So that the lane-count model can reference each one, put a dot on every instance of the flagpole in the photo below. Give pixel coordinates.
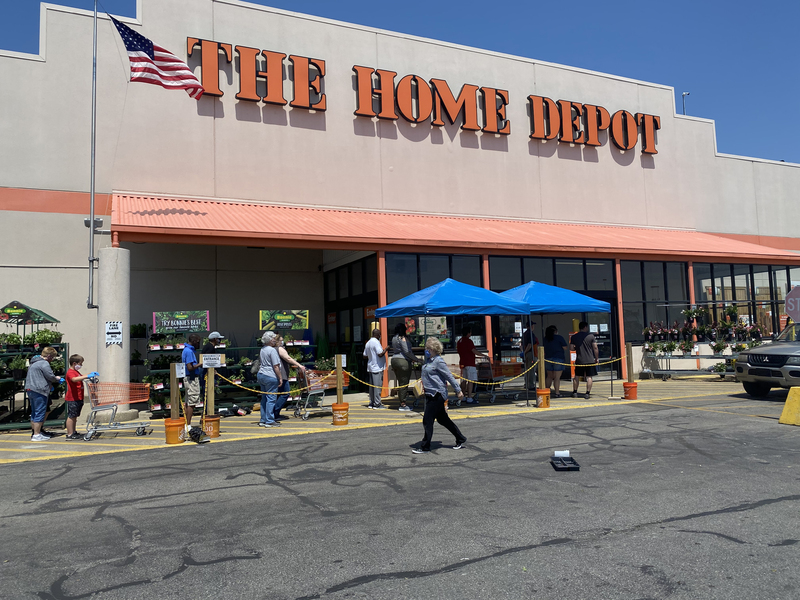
(92, 259)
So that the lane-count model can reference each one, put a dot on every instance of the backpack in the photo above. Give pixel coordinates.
(256, 366)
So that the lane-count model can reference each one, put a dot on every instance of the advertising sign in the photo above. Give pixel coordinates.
(282, 320)
(180, 321)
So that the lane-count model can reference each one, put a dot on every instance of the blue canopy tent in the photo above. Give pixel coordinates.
(552, 300)
(450, 297)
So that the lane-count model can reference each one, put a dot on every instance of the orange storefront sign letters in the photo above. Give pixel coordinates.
(381, 94)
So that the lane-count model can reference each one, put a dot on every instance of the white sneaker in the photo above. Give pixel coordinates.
(39, 438)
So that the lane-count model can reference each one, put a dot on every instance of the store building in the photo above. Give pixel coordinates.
(335, 168)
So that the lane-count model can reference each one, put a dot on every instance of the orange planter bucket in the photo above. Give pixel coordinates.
(630, 390)
(173, 429)
(340, 412)
(543, 398)
(211, 426)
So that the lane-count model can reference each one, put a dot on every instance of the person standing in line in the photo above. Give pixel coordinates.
(376, 365)
(529, 344)
(287, 362)
(466, 358)
(269, 378)
(37, 384)
(74, 395)
(435, 377)
(402, 362)
(191, 383)
(588, 355)
(555, 351)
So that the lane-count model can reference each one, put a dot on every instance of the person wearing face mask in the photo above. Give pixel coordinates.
(74, 395)
(435, 377)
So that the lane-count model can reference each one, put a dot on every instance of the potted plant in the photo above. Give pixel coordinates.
(753, 343)
(19, 367)
(720, 368)
(700, 331)
(647, 332)
(13, 341)
(689, 314)
(755, 331)
(723, 330)
(48, 337)
(718, 347)
(738, 347)
(686, 347)
(733, 312)
(136, 358)
(701, 314)
(670, 347)
(29, 339)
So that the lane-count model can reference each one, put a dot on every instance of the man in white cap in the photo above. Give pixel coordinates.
(213, 341)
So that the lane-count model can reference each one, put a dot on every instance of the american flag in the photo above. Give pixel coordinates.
(154, 64)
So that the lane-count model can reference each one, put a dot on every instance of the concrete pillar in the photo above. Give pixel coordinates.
(114, 304)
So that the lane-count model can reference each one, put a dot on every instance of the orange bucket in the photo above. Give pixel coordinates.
(211, 426)
(543, 398)
(630, 390)
(340, 412)
(173, 429)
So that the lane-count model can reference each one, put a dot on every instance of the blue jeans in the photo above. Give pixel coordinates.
(269, 387)
(283, 392)
(38, 406)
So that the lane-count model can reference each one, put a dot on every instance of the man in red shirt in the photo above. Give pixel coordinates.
(466, 358)
(74, 395)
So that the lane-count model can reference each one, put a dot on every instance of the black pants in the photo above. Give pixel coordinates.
(434, 410)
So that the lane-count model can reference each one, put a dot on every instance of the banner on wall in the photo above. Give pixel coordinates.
(433, 326)
(282, 320)
(181, 321)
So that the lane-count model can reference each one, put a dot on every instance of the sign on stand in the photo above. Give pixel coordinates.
(113, 333)
(180, 370)
(212, 361)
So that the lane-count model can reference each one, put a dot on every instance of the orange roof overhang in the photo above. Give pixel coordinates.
(141, 218)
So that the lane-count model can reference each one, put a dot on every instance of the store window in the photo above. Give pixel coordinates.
(371, 274)
(664, 289)
(344, 282)
(401, 276)
(357, 278)
(467, 269)
(433, 268)
(539, 270)
(702, 283)
(569, 274)
(330, 285)
(599, 275)
(344, 326)
(505, 273)
(779, 283)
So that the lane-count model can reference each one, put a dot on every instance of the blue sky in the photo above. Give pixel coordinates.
(737, 59)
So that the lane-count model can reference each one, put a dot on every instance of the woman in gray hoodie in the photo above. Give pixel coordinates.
(37, 384)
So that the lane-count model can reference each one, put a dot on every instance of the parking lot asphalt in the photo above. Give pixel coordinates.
(690, 493)
(704, 393)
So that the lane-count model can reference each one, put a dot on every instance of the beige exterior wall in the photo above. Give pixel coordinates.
(162, 142)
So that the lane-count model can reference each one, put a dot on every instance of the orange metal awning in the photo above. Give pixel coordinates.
(191, 221)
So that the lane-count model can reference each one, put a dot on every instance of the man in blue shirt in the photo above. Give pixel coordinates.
(191, 382)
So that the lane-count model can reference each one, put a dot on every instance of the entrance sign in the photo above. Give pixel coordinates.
(212, 360)
(180, 321)
(793, 304)
(282, 320)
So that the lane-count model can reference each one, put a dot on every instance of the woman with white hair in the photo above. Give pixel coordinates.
(269, 378)
(435, 377)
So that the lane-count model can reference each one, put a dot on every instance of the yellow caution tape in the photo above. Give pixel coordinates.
(455, 376)
(258, 391)
(597, 364)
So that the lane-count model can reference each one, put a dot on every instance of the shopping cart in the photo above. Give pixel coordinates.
(312, 400)
(107, 396)
(503, 378)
